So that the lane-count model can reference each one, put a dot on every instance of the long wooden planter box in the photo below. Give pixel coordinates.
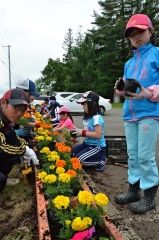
(43, 224)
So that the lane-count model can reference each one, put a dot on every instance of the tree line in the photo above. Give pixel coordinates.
(95, 59)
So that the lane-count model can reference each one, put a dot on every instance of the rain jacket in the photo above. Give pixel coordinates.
(144, 67)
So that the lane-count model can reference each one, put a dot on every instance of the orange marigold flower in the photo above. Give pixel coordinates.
(75, 160)
(26, 115)
(60, 163)
(72, 173)
(76, 165)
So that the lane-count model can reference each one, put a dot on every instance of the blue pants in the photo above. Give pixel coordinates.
(141, 137)
(90, 155)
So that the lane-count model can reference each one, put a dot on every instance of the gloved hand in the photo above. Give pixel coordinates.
(78, 132)
(23, 132)
(31, 155)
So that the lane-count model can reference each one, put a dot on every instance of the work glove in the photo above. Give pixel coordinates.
(77, 132)
(23, 132)
(30, 155)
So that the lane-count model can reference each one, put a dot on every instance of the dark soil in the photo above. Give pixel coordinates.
(18, 219)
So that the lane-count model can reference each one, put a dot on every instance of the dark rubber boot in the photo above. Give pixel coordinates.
(147, 203)
(132, 195)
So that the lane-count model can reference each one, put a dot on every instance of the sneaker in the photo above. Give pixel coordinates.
(12, 181)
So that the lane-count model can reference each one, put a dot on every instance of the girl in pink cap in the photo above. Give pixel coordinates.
(66, 121)
(141, 115)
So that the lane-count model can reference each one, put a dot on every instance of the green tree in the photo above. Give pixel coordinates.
(53, 76)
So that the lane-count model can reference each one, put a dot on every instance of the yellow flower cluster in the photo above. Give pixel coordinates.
(64, 177)
(61, 202)
(27, 171)
(79, 224)
(53, 156)
(101, 199)
(50, 178)
(45, 150)
(42, 176)
(85, 197)
(60, 170)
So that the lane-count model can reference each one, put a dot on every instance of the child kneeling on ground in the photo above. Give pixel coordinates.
(92, 152)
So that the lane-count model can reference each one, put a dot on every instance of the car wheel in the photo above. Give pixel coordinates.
(102, 109)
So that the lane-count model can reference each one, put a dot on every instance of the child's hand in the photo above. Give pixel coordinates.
(119, 87)
(144, 93)
(119, 84)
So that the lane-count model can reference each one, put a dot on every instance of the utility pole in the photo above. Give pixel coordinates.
(9, 65)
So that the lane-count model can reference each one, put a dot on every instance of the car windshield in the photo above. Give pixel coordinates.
(77, 96)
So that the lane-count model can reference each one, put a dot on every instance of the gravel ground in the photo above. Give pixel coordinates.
(114, 180)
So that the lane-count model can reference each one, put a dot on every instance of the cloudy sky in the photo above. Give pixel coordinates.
(35, 30)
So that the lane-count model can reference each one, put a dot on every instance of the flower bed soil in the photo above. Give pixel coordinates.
(18, 218)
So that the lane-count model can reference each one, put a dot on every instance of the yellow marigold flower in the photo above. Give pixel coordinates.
(64, 177)
(53, 156)
(101, 199)
(42, 176)
(61, 202)
(48, 138)
(26, 171)
(45, 150)
(67, 222)
(80, 225)
(50, 178)
(60, 170)
(52, 167)
(85, 197)
(87, 221)
(39, 138)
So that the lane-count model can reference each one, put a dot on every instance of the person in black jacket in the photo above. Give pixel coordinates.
(12, 106)
(53, 108)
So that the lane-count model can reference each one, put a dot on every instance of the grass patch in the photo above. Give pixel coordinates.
(117, 105)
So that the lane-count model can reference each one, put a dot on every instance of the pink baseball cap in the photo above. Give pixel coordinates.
(63, 109)
(140, 21)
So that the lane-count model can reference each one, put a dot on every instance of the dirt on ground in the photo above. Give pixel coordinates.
(18, 218)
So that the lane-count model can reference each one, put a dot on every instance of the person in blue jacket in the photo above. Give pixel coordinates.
(141, 115)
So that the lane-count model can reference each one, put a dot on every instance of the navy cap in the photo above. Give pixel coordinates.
(89, 97)
(29, 86)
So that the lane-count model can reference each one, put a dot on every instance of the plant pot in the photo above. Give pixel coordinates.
(43, 224)
(47, 222)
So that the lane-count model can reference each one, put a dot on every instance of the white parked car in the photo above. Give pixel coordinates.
(62, 94)
(71, 103)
